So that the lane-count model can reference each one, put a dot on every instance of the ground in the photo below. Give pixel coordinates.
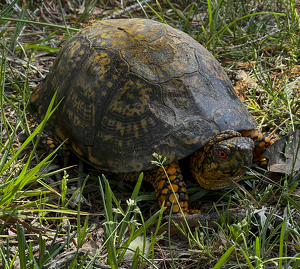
(258, 45)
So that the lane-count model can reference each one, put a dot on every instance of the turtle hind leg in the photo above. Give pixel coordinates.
(49, 143)
(167, 193)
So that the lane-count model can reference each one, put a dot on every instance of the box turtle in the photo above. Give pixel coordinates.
(132, 87)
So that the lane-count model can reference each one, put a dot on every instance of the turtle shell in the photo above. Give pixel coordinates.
(132, 87)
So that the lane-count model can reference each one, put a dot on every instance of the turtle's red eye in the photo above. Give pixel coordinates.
(222, 154)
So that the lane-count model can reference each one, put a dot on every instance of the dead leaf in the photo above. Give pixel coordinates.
(245, 78)
(284, 155)
(222, 236)
(246, 64)
(242, 75)
(296, 69)
(91, 245)
(241, 88)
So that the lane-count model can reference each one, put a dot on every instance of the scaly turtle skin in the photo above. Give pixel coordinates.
(129, 88)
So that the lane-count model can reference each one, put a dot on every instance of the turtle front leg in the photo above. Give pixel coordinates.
(261, 143)
(166, 192)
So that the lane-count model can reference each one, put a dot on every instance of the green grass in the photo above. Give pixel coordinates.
(260, 38)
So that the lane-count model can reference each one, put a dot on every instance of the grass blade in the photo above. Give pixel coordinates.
(224, 257)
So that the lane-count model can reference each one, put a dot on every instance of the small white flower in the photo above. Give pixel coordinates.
(130, 202)
(108, 223)
(117, 210)
(135, 223)
(137, 210)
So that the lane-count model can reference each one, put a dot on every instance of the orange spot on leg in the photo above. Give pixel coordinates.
(175, 187)
(171, 170)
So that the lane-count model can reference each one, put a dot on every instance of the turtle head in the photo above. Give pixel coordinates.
(222, 161)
